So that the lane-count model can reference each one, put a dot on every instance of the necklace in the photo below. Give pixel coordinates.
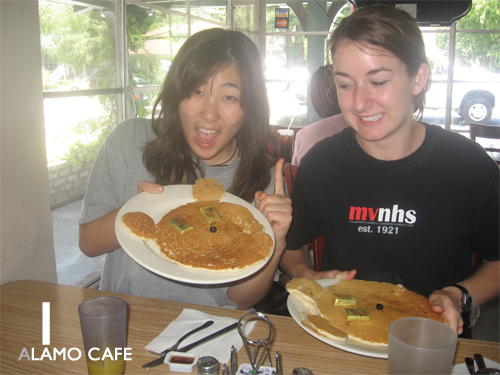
(227, 161)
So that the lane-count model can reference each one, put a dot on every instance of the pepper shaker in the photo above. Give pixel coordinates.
(208, 366)
(302, 371)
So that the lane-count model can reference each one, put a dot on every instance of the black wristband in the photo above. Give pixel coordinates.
(466, 299)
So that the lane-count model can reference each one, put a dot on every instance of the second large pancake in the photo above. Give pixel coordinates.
(384, 302)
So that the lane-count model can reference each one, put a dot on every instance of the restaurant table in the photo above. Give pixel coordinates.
(21, 327)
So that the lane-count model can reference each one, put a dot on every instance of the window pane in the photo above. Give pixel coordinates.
(142, 103)
(153, 40)
(197, 25)
(211, 10)
(287, 78)
(291, 58)
(484, 15)
(76, 126)
(77, 47)
(244, 16)
(178, 6)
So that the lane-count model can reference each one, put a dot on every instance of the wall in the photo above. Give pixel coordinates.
(26, 241)
(67, 183)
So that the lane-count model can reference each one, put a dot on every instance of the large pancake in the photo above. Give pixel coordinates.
(394, 302)
(238, 242)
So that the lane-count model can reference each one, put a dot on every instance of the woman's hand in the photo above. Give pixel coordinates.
(448, 302)
(332, 274)
(149, 187)
(277, 208)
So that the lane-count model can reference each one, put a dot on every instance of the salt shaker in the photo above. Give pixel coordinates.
(208, 366)
(302, 371)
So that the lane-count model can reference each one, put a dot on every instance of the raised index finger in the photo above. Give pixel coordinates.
(279, 187)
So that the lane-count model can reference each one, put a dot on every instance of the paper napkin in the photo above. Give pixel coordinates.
(219, 347)
(461, 368)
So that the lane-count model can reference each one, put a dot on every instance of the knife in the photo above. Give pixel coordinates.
(469, 362)
(480, 361)
(159, 361)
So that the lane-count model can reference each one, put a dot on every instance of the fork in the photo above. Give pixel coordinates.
(174, 347)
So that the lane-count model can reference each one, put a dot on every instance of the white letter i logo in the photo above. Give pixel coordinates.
(45, 323)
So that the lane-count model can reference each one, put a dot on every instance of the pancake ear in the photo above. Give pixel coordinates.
(208, 189)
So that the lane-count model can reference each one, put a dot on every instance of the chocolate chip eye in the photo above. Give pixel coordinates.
(379, 306)
(213, 229)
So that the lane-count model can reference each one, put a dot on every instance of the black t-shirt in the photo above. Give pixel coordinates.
(413, 221)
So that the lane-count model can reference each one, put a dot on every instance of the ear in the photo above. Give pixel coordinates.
(421, 78)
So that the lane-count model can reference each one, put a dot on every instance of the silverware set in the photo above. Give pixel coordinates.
(186, 348)
(230, 368)
(481, 365)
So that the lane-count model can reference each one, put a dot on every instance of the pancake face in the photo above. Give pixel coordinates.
(234, 244)
(207, 234)
(382, 301)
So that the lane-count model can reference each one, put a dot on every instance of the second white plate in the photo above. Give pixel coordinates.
(296, 309)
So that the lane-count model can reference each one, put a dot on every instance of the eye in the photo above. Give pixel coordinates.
(343, 86)
(196, 92)
(230, 98)
(379, 83)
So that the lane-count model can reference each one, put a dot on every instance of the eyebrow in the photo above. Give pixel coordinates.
(371, 72)
(230, 84)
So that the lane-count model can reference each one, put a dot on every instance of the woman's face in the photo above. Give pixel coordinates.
(376, 96)
(212, 116)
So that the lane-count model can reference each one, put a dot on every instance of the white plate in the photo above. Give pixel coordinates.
(296, 309)
(147, 254)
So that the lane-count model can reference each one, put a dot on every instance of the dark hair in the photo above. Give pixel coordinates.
(323, 94)
(169, 157)
(391, 29)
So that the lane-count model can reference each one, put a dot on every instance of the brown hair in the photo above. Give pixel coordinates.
(323, 95)
(391, 29)
(168, 157)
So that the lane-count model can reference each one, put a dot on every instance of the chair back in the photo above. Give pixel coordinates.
(485, 131)
(289, 171)
(315, 247)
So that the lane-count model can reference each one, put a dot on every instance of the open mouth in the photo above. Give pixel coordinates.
(372, 118)
(206, 137)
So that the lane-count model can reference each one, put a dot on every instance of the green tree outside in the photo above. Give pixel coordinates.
(473, 48)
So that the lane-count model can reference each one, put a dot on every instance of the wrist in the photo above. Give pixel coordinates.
(456, 295)
(468, 306)
(306, 272)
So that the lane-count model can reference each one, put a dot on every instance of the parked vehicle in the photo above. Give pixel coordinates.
(474, 95)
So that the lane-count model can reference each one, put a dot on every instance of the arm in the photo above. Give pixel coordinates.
(98, 237)
(483, 285)
(296, 264)
(277, 209)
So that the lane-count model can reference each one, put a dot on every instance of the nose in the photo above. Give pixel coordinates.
(362, 99)
(210, 110)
